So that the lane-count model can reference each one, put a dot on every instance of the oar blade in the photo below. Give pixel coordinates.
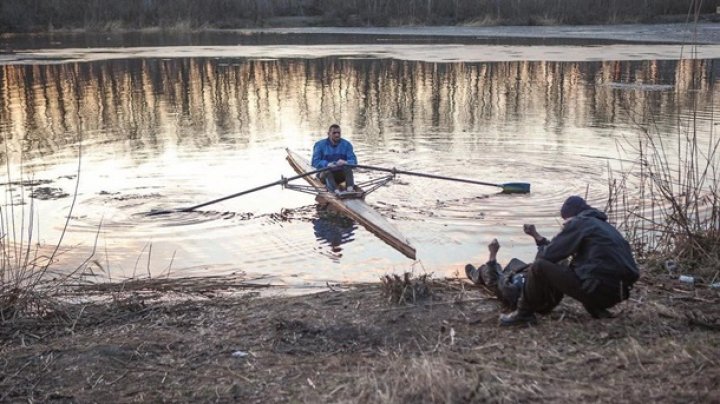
(516, 188)
(508, 188)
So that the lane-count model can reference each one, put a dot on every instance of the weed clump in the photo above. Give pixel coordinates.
(406, 289)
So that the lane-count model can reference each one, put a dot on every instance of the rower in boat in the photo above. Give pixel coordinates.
(336, 153)
(350, 204)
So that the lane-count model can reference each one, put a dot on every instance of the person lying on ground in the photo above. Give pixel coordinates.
(337, 153)
(506, 283)
(600, 275)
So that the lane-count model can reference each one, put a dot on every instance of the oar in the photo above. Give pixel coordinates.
(247, 191)
(508, 187)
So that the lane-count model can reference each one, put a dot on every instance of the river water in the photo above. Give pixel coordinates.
(106, 131)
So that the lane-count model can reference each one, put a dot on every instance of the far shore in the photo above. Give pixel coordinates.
(676, 32)
(706, 33)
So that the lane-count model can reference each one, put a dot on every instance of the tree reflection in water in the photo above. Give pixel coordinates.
(183, 130)
(145, 106)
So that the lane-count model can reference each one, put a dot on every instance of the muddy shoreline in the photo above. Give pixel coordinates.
(351, 344)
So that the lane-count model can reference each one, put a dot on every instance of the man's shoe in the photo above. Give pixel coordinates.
(517, 317)
(473, 274)
(350, 188)
(600, 314)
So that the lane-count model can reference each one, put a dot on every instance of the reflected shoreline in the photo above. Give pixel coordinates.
(432, 53)
(153, 104)
(583, 35)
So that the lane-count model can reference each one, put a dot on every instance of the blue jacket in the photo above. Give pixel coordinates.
(325, 152)
(599, 251)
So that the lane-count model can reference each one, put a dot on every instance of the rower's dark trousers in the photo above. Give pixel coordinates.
(334, 177)
(547, 280)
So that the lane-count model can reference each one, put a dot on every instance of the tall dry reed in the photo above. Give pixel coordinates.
(25, 288)
(668, 201)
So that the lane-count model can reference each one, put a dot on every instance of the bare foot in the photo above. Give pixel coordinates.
(493, 247)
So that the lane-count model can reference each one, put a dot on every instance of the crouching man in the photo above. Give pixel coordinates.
(601, 272)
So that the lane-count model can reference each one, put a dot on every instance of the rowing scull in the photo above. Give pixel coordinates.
(354, 208)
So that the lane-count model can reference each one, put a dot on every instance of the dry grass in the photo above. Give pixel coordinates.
(407, 288)
(484, 21)
(422, 378)
(26, 292)
(354, 346)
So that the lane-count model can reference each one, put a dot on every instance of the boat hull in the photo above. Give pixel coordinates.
(354, 208)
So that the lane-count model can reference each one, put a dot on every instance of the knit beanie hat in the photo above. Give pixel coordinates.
(572, 206)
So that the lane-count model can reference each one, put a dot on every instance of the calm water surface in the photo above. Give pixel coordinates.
(174, 131)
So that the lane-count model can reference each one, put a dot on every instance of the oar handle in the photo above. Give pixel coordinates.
(437, 177)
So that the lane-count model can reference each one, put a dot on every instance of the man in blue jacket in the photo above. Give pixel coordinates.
(337, 153)
(600, 275)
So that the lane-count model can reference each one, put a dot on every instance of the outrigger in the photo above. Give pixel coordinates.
(353, 204)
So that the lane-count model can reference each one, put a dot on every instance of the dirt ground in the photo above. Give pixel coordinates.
(166, 341)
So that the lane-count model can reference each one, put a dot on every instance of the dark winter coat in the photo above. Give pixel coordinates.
(599, 252)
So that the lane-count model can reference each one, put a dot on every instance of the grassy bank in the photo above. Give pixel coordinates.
(43, 15)
(356, 346)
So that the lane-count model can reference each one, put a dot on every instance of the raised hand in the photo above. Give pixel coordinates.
(531, 231)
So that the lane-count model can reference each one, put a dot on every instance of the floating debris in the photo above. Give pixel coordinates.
(48, 193)
(128, 197)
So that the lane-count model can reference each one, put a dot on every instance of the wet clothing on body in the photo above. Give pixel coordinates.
(507, 283)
